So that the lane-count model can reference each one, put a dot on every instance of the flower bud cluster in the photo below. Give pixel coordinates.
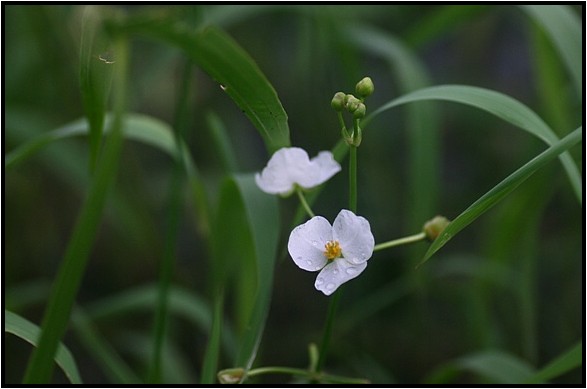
(355, 106)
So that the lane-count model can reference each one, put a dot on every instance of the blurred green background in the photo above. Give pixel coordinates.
(511, 282)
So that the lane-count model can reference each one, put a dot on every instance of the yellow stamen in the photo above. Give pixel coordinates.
(332, 250)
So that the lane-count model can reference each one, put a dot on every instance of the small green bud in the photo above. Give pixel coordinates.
(365, 87)
(337, 102)
(231, 376)
(434, 227)
(360, 111)
(352, 103)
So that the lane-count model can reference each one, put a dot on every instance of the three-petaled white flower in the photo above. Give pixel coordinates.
(291, 166)
(340, 251)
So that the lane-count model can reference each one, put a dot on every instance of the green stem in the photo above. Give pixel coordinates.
(399, 242)
(341, 121)
(304, 202)
(353, 179)
(168, 261)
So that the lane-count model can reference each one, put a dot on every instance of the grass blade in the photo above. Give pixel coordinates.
(105, 356)
(501, 190)
(564, 29)
(499, 105)
(95, 77)
(24, 329)
(182, 122)
(212, 354)
(66, 285)
(568, 361)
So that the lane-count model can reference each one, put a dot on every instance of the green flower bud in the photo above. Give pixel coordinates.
(231, 376)
(360, 111)
(365, 87)
(434, 227)
(352, 103)
(337, 102)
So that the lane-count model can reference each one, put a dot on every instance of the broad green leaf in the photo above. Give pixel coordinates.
(497, 193)
(564, 28)
(235, 71)
(24, 329)
(263, 221)
(499, 105)
(567, 361)
(243, 246)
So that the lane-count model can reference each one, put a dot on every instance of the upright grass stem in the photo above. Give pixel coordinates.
(168, 260)
(66, 285)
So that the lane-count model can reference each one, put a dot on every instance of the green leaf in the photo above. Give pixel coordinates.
(24, 329)
(499, 105)
(567, 361)
(564, 28)
(501, 190)
(236, 72)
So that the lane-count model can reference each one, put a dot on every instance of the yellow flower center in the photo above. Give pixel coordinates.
(332, 250)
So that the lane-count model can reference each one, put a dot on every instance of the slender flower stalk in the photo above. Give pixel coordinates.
(304, 202)
(353, 179)
(398, 242)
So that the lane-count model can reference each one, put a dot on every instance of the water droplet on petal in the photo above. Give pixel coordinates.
(335, 271)
(308, 262)
(351, 270)
(315, 243)
(319, 281)
(330, 286)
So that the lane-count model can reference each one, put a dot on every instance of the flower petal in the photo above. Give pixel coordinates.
(337, 273)
(354, 235)
(273, 182)
(326, 165)
(283, 170)
(306, 243)
(291, 165)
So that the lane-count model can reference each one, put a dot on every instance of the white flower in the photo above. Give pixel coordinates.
(291, 166)
(340, 251)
